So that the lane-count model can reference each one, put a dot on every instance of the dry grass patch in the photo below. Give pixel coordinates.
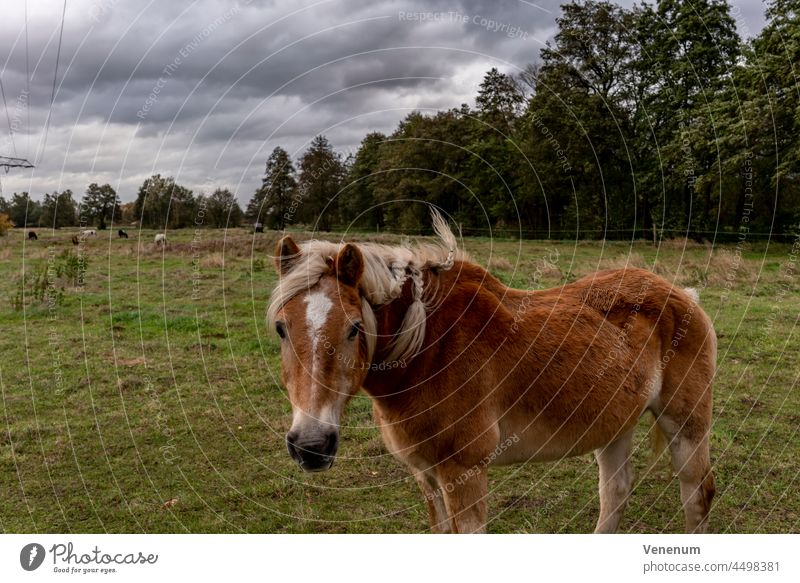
(499, 264)
(717, 268)
(628, 260)
(215, 260)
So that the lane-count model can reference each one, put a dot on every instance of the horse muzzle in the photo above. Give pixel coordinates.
(313, 453)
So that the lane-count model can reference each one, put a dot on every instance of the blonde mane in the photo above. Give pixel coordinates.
(386, 270)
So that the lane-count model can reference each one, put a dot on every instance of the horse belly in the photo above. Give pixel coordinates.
(530, 444)
(527, 436)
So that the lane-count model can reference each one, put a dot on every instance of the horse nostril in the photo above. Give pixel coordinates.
(331, 444)
(291, 439)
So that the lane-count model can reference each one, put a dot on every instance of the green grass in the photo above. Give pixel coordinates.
(149, 399)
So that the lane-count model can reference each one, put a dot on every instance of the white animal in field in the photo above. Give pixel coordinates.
(88, 233)
(160, 240)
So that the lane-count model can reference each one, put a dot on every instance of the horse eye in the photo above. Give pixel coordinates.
(354, 330)
(280, 328)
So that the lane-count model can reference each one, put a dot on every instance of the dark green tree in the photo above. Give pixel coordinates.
(23, 210)
(220, 209)
(58, 210)
(321, 178)
(759, 128)
(496, 167)
(576, 129)
(272, 203)
(100, 204)
(500, 99)
(689, 50)
(162, 203)
(425, 161)
(358, 194)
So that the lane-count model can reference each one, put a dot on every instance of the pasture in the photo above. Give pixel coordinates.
(140, 392)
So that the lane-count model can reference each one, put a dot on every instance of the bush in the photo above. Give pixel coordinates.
(5, 224)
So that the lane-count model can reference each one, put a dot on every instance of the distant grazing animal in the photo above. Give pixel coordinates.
(160, 240)
(88, 233)
(32, 236)
(75, 240)
(464, 372)
(122, 234)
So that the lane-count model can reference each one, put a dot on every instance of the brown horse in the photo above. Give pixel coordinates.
(465, 372)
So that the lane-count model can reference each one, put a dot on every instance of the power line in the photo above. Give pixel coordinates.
(28, 79)
(8, 117)
(55, 78)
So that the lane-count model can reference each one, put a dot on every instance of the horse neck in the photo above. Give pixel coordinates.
(381, 381)
(442, 288)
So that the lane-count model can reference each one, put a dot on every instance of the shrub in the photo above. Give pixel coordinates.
(5, 224)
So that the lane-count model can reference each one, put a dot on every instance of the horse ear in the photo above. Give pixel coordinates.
(286, 253)
(349, 264)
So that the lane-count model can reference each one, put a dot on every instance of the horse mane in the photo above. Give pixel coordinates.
(387, 268)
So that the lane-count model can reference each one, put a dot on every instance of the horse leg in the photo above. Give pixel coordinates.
(684, 416)
(616, 481)
(691, 460)
(434, 498)
(465, 490)
(424, 473)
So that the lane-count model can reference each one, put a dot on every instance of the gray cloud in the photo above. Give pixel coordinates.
(203, 90)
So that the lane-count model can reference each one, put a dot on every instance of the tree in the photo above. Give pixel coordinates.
(321, 177)
(426, 159)
(221, 209)
(576, 128)
(497, 168)
(162, 203)
(23, 211)
(689, 49)
(499, 99)
(58, 210)
(100, 204)
(272, 202)
(757, 119)
(358, 193)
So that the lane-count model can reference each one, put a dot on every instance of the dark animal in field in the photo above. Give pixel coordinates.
(258, 228)
(32, 236)
(75, 240)
(122, 234)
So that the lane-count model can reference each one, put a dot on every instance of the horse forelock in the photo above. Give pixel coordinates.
(386, 270)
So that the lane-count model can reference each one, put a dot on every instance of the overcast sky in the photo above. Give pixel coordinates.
(204, 90)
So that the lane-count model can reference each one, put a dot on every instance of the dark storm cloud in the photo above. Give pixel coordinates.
(204, 89)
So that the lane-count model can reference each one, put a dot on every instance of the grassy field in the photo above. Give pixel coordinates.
(147, 397)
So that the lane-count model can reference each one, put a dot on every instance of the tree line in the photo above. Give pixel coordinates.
(655, 120)
(160, 204)
(652, 119)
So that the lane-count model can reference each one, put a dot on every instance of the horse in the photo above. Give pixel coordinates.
(160, 240)
(464, 372)
(76, 240)
(32, 236)
(85, 234)
(122, 234)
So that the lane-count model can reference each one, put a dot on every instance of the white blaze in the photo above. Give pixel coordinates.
(317, 307)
